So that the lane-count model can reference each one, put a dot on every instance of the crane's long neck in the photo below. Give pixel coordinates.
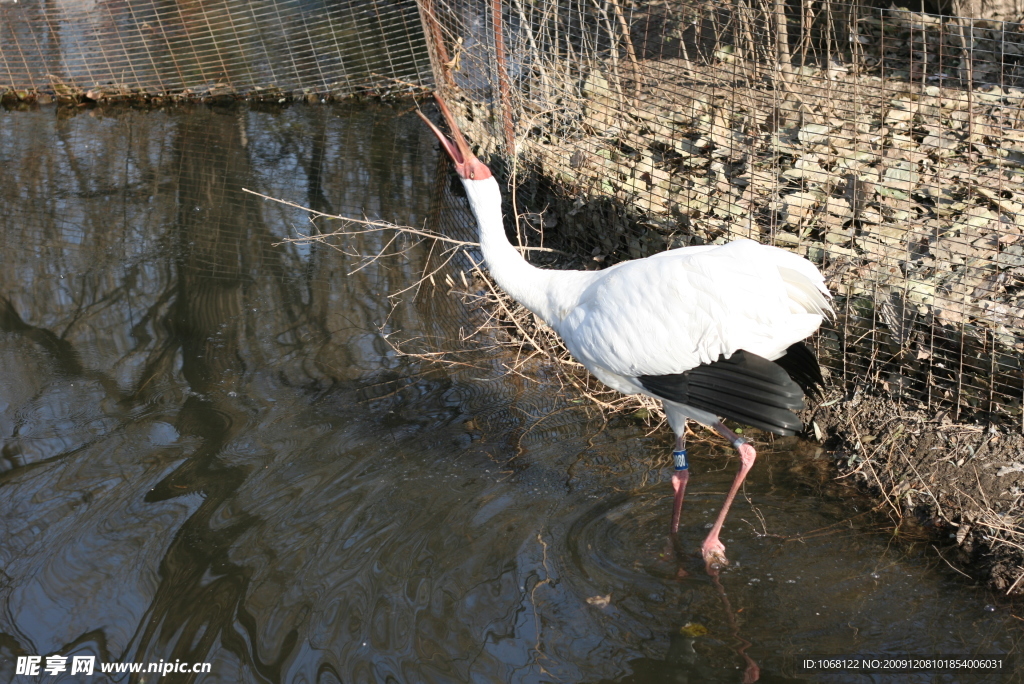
(532, 287)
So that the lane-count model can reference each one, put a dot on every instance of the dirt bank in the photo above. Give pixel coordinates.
(963, 482)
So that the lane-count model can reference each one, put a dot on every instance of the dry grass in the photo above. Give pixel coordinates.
(959, 485)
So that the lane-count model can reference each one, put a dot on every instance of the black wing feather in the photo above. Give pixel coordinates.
(746, 388)
(802, 365)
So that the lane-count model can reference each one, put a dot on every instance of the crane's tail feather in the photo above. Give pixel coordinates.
(744, 387)
(806, 287)
(802, 365)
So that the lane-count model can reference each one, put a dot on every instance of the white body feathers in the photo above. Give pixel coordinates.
(664, 314)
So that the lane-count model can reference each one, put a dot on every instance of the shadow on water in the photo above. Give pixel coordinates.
(211, 452)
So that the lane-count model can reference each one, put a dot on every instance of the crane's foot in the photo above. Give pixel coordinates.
(714, 554)
(712, 549)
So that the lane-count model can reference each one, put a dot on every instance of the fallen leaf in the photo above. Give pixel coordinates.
(693, 630)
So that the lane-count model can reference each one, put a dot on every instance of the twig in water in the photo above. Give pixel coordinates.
(958, 569)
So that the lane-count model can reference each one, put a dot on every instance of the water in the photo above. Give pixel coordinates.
(212, 451)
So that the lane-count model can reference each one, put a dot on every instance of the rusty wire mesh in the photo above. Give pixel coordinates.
(156, 48)
(885, 145)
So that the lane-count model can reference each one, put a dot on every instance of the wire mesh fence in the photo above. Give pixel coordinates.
(886, 145)
(116, 49)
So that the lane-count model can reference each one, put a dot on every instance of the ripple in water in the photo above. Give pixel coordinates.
(620, 548)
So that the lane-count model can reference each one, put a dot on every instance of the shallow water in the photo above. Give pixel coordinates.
(211, 450)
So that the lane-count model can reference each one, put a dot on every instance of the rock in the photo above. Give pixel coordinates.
(835, 251)
(838, 206)
(953, 250)
(942, 145)
(920, 291)
(799, 205)
(837, 237)
(902, 177)
(975, 220)
(1012, 257)
(870, 216)
(807, 168)
(899, 116)
(881, 252)
(812, 134)
(888, 234)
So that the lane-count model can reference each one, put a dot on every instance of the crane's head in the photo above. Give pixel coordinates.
(466, 163)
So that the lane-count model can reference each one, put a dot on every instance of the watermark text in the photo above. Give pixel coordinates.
(32, 666)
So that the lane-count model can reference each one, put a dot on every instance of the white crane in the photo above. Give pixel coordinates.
(712, 331)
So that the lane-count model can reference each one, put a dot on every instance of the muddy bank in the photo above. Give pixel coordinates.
(69, 99)
(963, 483)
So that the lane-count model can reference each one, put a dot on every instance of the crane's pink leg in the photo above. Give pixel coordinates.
(712, 549)
(680, 476)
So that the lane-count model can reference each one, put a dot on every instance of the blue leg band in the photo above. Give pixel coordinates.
(679, 460)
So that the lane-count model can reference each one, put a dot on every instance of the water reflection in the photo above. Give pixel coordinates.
(212, 452)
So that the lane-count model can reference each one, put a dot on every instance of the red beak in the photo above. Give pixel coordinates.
(466, 163)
